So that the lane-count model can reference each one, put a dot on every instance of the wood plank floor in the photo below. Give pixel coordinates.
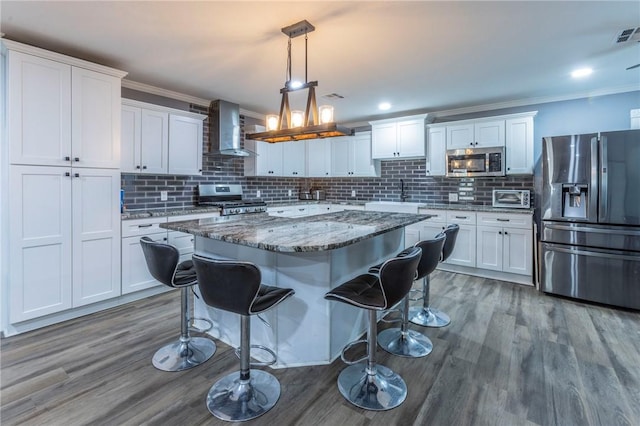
(511, 356)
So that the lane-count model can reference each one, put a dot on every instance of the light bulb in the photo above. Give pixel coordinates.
(326, 114)
(297, 118)
(272, 122)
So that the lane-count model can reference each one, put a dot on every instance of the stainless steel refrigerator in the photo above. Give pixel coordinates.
(590, 212)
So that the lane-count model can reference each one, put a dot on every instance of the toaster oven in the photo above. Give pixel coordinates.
(512, 198)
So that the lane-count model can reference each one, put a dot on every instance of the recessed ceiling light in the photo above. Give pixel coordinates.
(582, 72)
(384, 106)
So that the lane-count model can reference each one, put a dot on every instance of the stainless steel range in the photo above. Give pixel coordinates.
(229, 198)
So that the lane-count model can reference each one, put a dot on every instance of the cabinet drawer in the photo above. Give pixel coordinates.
(508, 220)
(438, 215)
(142, 227)
(461, 217)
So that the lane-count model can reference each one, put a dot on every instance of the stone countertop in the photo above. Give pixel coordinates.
(175, 211)
(474, 208)
(312, 233)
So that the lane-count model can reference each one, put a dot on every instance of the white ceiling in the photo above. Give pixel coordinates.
(418, 55)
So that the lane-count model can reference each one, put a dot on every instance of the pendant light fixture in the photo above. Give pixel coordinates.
(313, 122)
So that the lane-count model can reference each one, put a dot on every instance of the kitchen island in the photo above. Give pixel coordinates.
(311, 255)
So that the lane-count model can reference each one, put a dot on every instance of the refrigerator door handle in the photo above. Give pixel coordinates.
(591, 230)
(603, 213)
(592, 253)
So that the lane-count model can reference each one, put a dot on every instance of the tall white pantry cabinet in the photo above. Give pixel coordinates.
(62, 118)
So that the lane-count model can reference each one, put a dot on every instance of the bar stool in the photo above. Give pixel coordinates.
(234, 286)
(427, 316)
(402, 341)
(162, 262)
(368, 385)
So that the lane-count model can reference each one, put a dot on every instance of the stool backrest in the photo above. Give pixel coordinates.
(431, 252)
(451, 232)
(162, 260)
(229, 285)
(397, 275)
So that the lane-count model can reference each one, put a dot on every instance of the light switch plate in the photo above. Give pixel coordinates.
(164, 196)
(258, 193)
(353, 193)
(453, 196)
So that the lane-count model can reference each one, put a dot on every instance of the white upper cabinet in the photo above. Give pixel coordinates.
(436, 151)
(95, 123)
(351, 156)
(185, 144)
(318, 157)
(61, 110)
(476, 134)
(519, 145)
(398, 138)
(266, 162)
(294, 159)
(160, 140)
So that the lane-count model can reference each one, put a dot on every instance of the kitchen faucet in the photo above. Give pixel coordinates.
(403, 195)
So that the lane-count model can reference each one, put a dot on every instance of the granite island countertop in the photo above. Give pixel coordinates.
(312, 233)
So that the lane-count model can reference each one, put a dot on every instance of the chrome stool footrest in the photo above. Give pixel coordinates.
(262, 348)
(414, 291)
(349, 346)
(192, 327)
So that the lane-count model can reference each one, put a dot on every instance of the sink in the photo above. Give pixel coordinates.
(392, 206)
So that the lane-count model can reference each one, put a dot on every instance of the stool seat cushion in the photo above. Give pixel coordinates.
(363, 291)
(185, 274)
(268, 297)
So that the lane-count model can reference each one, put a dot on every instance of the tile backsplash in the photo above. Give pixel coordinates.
(143, 191)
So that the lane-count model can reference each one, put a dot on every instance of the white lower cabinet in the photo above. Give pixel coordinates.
(64, 229)
(464, 251)
(505, 244)
(135, 274)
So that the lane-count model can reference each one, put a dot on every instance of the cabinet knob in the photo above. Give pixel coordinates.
(76, 175)
(138, 167)
(67, 158)
(144, 167)
(508, 168)
(199, 170)
(471, 144)
(76, 159)
(67, 174)
(505, 233)
(499, 232)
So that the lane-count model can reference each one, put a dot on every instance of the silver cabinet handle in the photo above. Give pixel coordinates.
(149, 225)
(462, 217)
(502, 220)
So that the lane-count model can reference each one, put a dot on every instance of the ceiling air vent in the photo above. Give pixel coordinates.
(630, 34)
(333, 96)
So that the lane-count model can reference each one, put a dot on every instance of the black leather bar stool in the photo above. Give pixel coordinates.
(234, 286)
(162, 261)
(402, 341)
(368, 385)
(426, 315)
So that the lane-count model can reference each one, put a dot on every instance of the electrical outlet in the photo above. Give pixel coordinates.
(453, 197)
(353, 193)
(164, 195)
(258, 193)
(290, 193)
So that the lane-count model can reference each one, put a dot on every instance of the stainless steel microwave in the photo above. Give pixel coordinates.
(472, 162)
(512, 198)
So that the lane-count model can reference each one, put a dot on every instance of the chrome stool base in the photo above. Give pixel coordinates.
(411, 344)
(382, 390)
(234, 400)
(428, 317)
(178, 356)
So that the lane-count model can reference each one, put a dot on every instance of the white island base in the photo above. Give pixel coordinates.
(305, 329)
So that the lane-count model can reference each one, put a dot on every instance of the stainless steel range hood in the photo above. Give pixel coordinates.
(225, 130)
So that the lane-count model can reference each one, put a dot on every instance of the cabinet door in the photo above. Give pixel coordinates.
(362, 164)
(518, 256)
(183, 242)
(519, 145)
(340, 153)
(490, 249)
(428, 229)
(130, 139)
(96, 235)
(410, 138)
(412, 235)
(154, 142)
(135, 274)
(464, 252)
(269, 159)
(38, 110)
(436, 152)
(489, 133)
(185, 145)
(318, 158)
(293, 159)
(40, 241)
(384, 140)
(96, 114)
(460, 136)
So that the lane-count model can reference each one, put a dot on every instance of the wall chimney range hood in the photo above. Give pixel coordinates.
(224, 119)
